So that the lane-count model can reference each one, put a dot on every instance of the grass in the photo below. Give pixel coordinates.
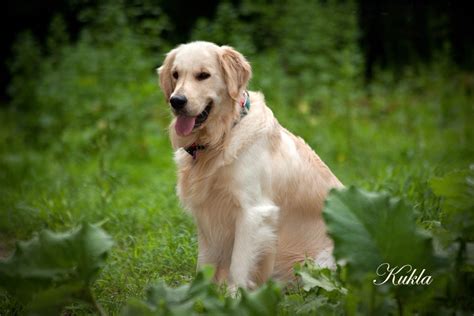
(392, 136)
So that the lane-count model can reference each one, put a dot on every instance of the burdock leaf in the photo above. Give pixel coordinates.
(369, 229)
(50, 261)
(53, 300)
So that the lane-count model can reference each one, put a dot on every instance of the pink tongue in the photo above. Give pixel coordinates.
(184, 125)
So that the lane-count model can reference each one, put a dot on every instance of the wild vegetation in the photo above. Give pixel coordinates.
(84, 140)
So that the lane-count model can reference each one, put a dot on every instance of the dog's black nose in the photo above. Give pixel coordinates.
(178, 101)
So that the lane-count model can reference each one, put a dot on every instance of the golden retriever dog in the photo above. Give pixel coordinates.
(255, 190)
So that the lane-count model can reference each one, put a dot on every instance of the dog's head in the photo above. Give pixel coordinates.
(201, 82)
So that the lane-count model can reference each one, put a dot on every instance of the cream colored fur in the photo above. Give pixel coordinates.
(256, 192)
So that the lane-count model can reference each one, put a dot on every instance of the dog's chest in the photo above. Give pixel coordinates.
(212, 193)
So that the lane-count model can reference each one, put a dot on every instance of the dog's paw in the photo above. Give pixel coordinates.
(233, 291)
(251, 285)
(325, 259)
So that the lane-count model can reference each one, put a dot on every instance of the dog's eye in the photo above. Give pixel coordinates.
(202, 76)
(175, 75)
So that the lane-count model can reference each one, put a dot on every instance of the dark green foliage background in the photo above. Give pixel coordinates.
(83, 137)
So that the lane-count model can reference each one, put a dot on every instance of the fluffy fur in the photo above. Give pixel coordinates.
(256, 191)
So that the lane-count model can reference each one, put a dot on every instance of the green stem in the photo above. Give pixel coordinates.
(97, 307)
(400, 306)
(459, 281)
(372, 301)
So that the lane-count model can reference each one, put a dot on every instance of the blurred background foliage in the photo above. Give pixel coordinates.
(384, 93)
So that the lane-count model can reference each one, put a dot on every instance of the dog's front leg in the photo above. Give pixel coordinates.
(255, 239)
(203, 253)
(208, 257)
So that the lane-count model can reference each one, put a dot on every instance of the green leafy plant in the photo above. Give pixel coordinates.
(317, 290)
(372, 228)
(52, 270)
(369, 229)
(203, 297)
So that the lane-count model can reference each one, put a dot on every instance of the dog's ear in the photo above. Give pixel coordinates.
(236, 69)
(164, 72)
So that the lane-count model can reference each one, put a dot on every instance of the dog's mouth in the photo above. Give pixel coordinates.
(186, 124)
(202, 117)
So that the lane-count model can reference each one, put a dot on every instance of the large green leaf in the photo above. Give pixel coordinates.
(369, 229)
(52, 269)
